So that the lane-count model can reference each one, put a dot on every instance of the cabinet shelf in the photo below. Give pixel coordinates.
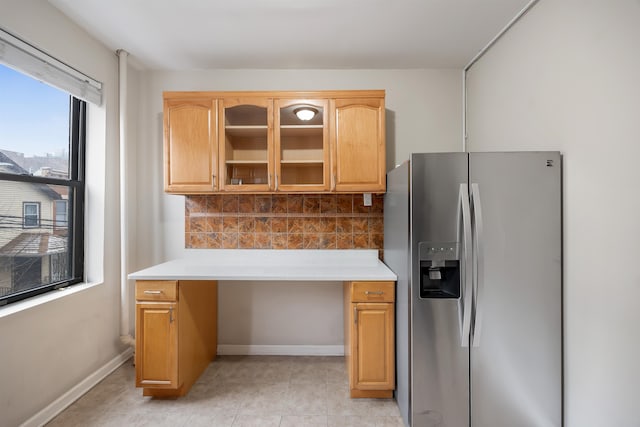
(245, 127)
(302, 162)
(301, 130)
(246, 131)
(246, 162)
(302, 127)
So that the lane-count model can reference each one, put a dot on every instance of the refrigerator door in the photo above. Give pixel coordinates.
(439, 360)
(516, 352)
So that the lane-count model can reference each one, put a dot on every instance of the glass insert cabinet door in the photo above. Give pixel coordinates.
(302, 149)
(246, 144)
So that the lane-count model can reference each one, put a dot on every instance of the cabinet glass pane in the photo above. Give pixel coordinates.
(301, 146)
(246, 145)
(245, 115)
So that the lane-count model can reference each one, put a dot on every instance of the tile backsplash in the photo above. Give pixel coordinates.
(283, 221)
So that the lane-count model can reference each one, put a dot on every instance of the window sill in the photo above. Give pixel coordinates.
(38, 300)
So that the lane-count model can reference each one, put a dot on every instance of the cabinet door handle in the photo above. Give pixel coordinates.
(269, 180)
(213, 180)
(355, 315)
(152, 292)
(334, 182)
(276, 181)
(373, 292)
(171, 315)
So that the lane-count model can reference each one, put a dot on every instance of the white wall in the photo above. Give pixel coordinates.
(566, 78)
(48, 349)
(423, 114)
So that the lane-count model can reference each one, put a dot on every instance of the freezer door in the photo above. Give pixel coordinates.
(439, 360)
(516, 352)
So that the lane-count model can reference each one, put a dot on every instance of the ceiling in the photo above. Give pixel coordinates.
(325, 34)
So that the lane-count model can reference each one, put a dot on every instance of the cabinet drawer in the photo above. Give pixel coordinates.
(156, 290)
(372, 291)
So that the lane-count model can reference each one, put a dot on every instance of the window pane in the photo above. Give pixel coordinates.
(35, 256)
(61, 214)
(30, 209)
(41, 187)
(34, 126)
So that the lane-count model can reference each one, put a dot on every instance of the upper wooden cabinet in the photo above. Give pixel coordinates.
(254, 142)
(302, 146)
(358, 144)
(190, 145)
(246, 144)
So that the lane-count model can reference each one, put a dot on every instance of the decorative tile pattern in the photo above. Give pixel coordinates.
(283, 221)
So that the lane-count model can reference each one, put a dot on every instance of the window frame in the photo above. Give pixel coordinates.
(76, 208)
(24, 215)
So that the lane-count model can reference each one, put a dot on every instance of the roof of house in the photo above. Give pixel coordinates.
(7, 165)
(34, 245)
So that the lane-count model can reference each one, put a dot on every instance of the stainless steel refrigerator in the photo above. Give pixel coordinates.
(476, 242)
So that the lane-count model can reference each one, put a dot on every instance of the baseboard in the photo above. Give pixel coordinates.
(61, 403)
(281, 350)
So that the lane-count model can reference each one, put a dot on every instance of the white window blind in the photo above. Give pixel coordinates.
(30, 60)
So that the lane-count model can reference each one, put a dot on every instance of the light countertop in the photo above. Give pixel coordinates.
(271, 265)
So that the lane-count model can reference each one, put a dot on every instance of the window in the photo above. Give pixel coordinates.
(30, 214)
(61, 214)
(41, 187)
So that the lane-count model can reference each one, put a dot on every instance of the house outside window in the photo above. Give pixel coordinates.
(30, 214)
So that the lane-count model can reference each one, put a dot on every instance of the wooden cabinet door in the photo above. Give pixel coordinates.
(190, 145)
(156, 345)
(372, 349)
(301, 146)
(358, 145)
(245, 132)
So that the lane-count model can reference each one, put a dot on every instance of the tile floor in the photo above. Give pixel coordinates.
(279, 391)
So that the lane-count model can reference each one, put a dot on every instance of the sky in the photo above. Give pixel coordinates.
(34, 117)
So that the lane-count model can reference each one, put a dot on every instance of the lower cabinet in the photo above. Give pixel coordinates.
(176, 334)
(369, 338)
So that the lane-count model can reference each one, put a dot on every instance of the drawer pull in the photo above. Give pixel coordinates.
(373, 292)
(153, 292)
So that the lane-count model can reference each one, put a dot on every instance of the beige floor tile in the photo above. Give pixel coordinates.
(363, 421)
(220, 396)
(257, 421)
(306, 399)
(304, 421)
(270, 372)
(264, 399)
(134, 419)
(351, 421)
(216, 418)
(382, 407)
(72, 417)
(337, 373)
(339, 402)
(308, 373)
(389, 422)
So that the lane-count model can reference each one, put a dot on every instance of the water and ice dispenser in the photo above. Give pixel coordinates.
(439, 270)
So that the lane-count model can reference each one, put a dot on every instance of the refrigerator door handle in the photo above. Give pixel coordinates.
(464, 237)
(478, 255)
